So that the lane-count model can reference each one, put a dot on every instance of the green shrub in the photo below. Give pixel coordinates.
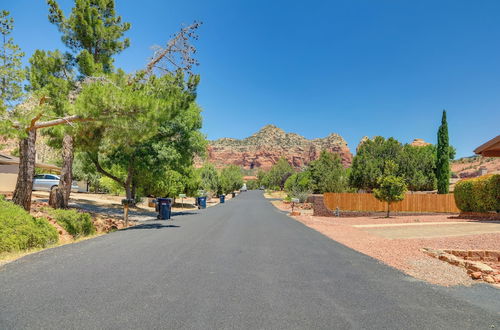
(75, 223)
(478, 195)
(299, 185)
(252, 184)
(20, 231)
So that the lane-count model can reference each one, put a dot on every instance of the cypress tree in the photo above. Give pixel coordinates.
(443, 157)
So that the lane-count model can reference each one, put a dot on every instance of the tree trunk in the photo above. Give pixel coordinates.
(59, 197)
(134, 190)
(388, 209)
(24, 184)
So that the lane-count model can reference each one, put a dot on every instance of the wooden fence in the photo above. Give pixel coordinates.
(444, 203)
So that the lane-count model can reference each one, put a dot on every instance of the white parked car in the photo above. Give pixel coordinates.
(48, 182)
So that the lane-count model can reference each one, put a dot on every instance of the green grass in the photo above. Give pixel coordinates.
(20, 231)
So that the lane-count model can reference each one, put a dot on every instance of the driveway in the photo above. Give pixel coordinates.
(425, 230)
(238, 265)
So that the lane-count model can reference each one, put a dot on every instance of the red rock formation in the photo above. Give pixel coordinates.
(420, 143)
(266, 147)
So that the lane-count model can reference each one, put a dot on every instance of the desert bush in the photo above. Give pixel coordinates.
(478, 195)
(299, 185)
(300, 195)
(75, 223)
(20, 231)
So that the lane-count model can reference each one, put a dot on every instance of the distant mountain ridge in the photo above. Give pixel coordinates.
(264, 148)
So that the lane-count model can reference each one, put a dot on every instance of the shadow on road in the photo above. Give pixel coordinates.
(155, 225)
(174, 214)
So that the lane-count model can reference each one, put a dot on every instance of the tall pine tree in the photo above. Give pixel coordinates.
(94, 34)
(443, 157)
(11, 71)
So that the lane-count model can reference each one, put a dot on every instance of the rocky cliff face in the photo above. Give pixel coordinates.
(264, 149)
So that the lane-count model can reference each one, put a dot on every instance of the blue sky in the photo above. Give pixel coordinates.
(353, 67)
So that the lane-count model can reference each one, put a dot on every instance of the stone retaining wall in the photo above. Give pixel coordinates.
(480, 264)
(319, 207)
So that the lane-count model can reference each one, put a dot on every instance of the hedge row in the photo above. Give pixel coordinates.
(76, 223)
(20, 231)
(478, 195)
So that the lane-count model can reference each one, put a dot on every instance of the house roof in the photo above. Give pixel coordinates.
(12, 160)
(490, 148)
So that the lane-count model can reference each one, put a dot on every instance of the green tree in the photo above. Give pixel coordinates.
(231, 179)
(278, 174)
(111, 186)
(209, 179)
(93, 32)
(25, 118)
(192, 181)
(299, 185)
(417, 165)
(328, 174)
(391, 188)
(368, 164)
(11, 72)
(158, 123)
(171, 184)
(443, 157)
(261, 176)
(252, 184)
(84, 170)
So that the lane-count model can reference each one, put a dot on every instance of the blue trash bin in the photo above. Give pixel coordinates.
(222, 198)
(202, 202)
(164, 208)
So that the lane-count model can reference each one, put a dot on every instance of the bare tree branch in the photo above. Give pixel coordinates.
(178, 52)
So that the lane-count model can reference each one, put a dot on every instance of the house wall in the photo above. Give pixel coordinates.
(8, 177)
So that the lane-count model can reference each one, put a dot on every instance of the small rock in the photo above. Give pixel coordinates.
(488, 279)
(476, 275)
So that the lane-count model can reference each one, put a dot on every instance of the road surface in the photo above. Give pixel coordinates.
(239, 265)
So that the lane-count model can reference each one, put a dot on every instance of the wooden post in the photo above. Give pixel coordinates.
(125, 214)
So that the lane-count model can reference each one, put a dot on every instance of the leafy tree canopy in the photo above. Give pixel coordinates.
(209, 179)
(327, 173)
(231, 179)
(92, 31)
(11, 71)
(416, 164)
(278, 174)
(391, 188)
(368, 164)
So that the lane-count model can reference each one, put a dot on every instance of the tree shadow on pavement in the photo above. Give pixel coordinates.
(174, 214)
(155, 225)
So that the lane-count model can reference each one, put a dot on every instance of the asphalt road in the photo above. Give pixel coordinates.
(240, 265)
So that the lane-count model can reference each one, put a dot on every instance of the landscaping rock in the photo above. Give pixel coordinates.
(476, 275)
(488, 279)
